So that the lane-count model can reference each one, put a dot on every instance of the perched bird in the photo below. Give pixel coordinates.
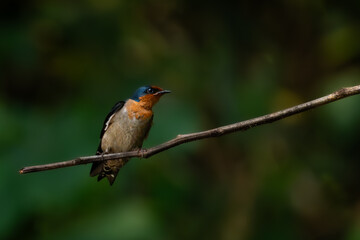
(125, 128)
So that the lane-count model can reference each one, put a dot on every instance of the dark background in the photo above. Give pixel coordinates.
(65, 63)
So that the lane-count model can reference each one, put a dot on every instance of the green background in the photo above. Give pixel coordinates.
(65, 63)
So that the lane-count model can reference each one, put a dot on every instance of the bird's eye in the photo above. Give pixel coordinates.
(150, 90)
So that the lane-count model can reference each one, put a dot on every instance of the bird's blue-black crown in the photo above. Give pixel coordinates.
(142, 91)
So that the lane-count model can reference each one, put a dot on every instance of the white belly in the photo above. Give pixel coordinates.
(124, 134)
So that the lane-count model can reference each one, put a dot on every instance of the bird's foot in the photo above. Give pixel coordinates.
(102, 154)
(141, 152)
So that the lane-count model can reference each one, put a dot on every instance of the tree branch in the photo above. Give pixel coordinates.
(216, 132)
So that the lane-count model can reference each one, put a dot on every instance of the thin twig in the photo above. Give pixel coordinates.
(216, 132)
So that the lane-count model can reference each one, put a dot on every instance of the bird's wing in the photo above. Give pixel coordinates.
(97, 167)
(117, 107)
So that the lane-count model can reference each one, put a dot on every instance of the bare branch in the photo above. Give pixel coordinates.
(216, 132)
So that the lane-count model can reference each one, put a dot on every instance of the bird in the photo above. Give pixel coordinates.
(125, 128)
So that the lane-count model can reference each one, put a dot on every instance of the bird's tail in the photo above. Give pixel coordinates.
(108, 169)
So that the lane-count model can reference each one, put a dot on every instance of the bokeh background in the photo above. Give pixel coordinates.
(65, 63)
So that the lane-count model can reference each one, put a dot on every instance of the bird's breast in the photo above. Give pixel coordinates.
(136, 111)
(127, 129)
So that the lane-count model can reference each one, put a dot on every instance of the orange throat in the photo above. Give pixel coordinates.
(138, 110)
(148, 101)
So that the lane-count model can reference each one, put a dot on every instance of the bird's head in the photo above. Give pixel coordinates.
(148, 96)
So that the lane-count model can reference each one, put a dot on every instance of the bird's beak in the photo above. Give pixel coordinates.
(162, 92)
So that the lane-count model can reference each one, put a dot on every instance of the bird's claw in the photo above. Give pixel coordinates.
(102, 154)
(141, 152)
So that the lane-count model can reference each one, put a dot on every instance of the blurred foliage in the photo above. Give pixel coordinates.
(64, 63)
